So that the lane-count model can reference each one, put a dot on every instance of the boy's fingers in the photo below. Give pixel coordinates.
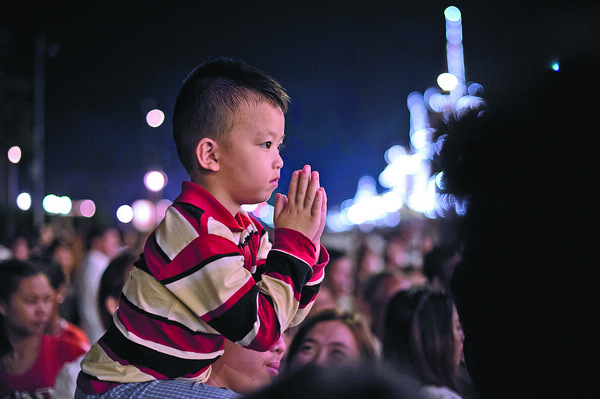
(293, 185)
(279, 205)
(323, 210)
(303, 184)
(313, 188)
(322, 215)
(317, 204)
(324, 206)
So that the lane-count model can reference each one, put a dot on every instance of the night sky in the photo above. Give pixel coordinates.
(347, 65)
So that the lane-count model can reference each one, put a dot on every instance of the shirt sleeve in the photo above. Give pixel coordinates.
(311, 288)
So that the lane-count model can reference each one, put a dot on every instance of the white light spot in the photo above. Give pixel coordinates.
(447, 81)
(155, 180)
(14, 154)
(24, 201)
(125, 214)
(155, 118)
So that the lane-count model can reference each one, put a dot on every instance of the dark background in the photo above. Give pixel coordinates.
(348, 66)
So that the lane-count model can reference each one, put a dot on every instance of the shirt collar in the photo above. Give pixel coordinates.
(192, 193)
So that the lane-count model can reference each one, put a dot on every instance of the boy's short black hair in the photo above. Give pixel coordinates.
(209, 97)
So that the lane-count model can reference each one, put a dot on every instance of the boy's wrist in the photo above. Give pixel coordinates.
(319, 266)
(296, 243)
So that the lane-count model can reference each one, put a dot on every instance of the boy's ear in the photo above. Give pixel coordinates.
(205, 154)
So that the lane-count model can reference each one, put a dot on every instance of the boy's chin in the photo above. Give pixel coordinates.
(257, 200)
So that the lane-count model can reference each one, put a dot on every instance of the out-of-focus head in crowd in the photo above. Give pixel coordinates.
(422, 336)
(26, 301)
(331, 337)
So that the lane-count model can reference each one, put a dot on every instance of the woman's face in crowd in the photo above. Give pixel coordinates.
(327, 343)
(459, 336)
(28, 309)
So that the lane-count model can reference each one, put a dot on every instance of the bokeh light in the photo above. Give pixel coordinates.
(155, 118)
(56, 205)
(155, 180)
(143, 215)
(452, 13)
(87, 208)
(24, 201)
(14, 154)
(125, 214)
(447, 81)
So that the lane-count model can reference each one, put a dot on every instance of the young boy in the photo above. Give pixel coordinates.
(208, 271)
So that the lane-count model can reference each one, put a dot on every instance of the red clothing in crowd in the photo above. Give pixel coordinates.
(38, 381)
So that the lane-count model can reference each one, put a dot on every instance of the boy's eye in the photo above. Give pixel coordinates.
(269, 144)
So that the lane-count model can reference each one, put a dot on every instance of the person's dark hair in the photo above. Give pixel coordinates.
(54, 272)
(418, 335)
(357, 381)
(12, 272)
(335, 254)
(112, 282)
(376, 292)
(371, 292)
(209, 98)
(360, 330)
(440, 262)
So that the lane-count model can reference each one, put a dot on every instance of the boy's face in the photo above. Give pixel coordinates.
(249, 161)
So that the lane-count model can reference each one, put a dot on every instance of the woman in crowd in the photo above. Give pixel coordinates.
(422, 337)
(111, 284)
(331, 338)
(30, 360)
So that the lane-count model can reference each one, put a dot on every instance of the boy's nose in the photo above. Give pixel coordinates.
(278, 162)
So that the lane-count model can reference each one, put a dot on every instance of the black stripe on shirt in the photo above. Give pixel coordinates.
(141, 356)
(239, 320)
(288, 265)
(308, 293)
(192, 210)
(199, 266)
(156, 317)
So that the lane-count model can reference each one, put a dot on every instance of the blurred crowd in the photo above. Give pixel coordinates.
(84, 274)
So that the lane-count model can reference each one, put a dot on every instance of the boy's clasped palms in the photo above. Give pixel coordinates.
(305, 207)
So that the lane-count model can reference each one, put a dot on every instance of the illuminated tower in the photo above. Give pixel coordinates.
(454, 50)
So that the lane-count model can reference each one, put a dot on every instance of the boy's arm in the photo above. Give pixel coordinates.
(306, 199)
(311, 288)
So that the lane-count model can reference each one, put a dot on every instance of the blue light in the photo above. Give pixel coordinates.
(452, 14)
(555, 66)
